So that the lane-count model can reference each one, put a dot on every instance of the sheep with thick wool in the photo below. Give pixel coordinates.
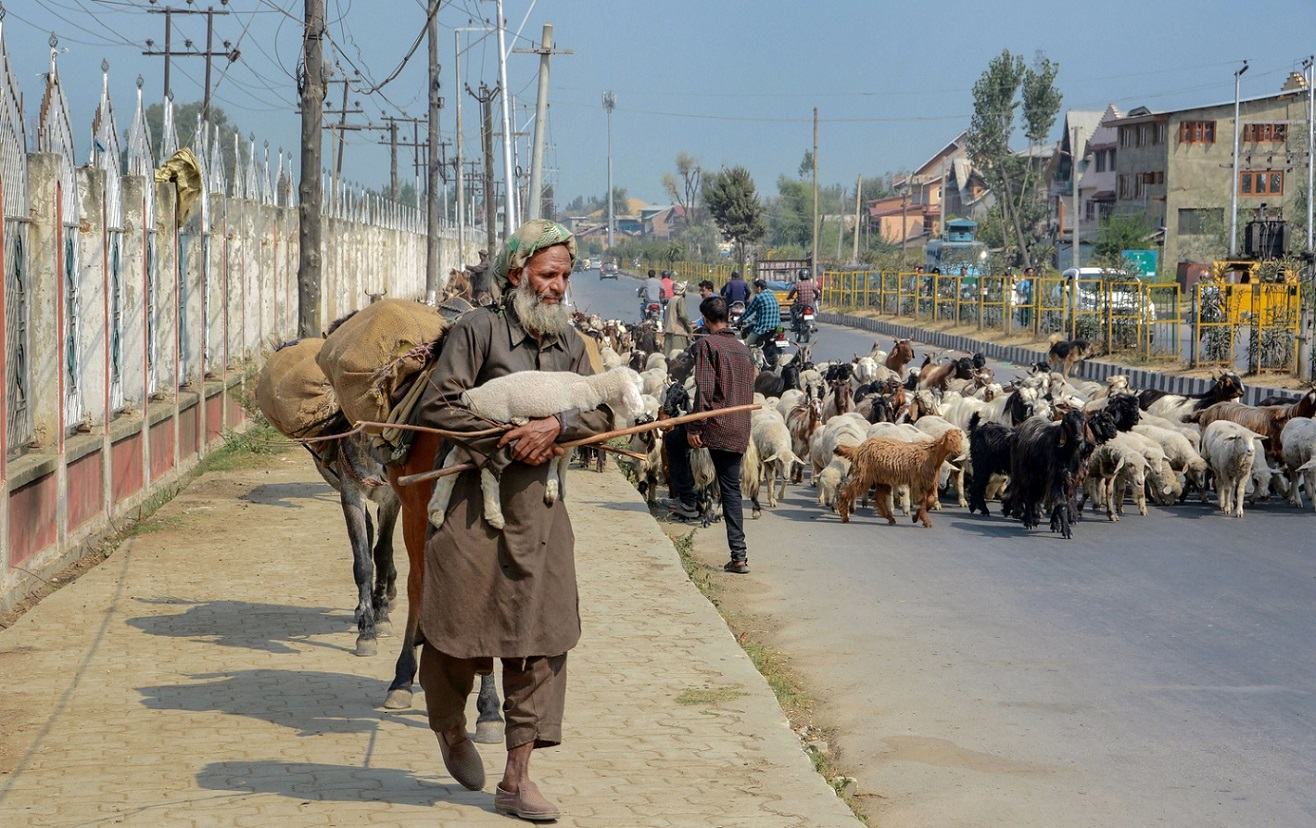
(524, 395)
(884, 463)
(1230, 450)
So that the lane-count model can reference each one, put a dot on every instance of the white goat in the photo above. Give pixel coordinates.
(1162, 482)
(1230, 450)
(1299, 441)
(515, 398)
(655, 360)
(1112, 468)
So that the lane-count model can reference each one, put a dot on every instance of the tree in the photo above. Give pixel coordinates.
(1120, 232)
(684, 191)
(806, 166)
(1007, 85)
(733, 202)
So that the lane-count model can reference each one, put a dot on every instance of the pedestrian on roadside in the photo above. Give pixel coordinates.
(706, 289)
(510, 594)
(724, 378)
(676, 322)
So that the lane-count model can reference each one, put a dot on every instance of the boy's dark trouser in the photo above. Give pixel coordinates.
(534, 694)
(727, 466)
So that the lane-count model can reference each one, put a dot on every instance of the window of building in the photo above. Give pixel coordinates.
(1197, 132)
(1261, 182)
(1101, 160)
(1125, 133)
(1158, 133)
(1265, 133)
(1196, 221)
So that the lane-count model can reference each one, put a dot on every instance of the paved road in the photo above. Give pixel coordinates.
(1158, 671)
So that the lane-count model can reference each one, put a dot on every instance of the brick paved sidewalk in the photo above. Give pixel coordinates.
(203, 675)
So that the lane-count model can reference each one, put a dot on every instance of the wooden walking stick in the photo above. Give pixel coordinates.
(421, 477)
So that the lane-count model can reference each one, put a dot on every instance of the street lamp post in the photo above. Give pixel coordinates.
(1233, 197)
(609, 104)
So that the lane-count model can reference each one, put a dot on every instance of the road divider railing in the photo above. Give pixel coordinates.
(1250, 327)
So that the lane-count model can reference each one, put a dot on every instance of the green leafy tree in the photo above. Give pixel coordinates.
(1006, 87)
(733, 202)
(1120, 232)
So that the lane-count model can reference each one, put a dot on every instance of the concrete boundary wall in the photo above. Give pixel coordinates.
(129, 328)
(1092, 369)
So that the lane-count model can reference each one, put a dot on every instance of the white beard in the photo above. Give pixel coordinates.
(536, 316)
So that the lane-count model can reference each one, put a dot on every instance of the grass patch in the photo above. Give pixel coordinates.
(708, 696)
(245, 449)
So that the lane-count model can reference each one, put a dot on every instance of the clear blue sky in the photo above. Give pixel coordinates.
(730, 82)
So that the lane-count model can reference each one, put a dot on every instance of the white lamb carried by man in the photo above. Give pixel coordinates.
(525, 395)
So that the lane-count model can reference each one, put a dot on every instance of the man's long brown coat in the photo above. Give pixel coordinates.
(509, 593)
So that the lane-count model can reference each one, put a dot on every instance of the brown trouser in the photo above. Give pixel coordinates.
(534, 694)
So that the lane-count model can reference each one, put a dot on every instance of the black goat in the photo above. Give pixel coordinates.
(979, 361)
(1043, 467)
(989, 453)
(1124, 410)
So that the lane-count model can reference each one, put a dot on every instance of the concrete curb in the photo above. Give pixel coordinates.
(1091, 369)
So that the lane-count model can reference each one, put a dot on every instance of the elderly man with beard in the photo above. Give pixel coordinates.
(509, 594)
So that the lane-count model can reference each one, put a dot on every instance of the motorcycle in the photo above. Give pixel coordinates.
(802, 319)
(734, 312)
(653, 312)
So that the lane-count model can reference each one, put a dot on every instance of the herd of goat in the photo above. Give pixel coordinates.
(877, 427)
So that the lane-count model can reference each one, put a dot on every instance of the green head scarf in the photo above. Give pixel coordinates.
(528, 240)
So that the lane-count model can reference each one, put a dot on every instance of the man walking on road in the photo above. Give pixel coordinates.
(512, 593)
(724, 377)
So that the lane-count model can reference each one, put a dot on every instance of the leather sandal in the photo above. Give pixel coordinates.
(527, 803)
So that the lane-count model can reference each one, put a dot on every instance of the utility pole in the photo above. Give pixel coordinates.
(545, 52)
(432, 220)
(1305, 316)
(309, 189)
(609, 104)
(393, 160)
(457, 163)
(858, 200)
(813, 261)
(509, 203)
(168, 52)
(485, 97)
(1233, 187)
(1074, 156)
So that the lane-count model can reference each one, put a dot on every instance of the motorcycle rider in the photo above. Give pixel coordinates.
(762, 318)
(803, 295)
(735, 290)
(651, 292)
(668, 286)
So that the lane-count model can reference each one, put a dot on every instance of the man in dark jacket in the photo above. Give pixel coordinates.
(724, 378)
(736, 289)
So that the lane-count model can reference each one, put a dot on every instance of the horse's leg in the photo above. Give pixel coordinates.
(414, 500)
(359, 530)
(489, 724)
(386, 573)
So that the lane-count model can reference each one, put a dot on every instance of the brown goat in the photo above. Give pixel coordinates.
(900, 356)
(1266, 420)
(882, 463)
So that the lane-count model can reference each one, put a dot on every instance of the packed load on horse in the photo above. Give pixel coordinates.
(293, 393)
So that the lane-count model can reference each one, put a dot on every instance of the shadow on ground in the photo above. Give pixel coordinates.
(307, 701)
(255, 626)
(284, 494)
(314, 782)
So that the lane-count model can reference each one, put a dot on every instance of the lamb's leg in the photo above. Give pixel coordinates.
(557, 482)
(1295, 497)
(1310, 477)
(438, 505)
(1239, 490)
(959, 488)
(1223, 491)
(493, 506)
